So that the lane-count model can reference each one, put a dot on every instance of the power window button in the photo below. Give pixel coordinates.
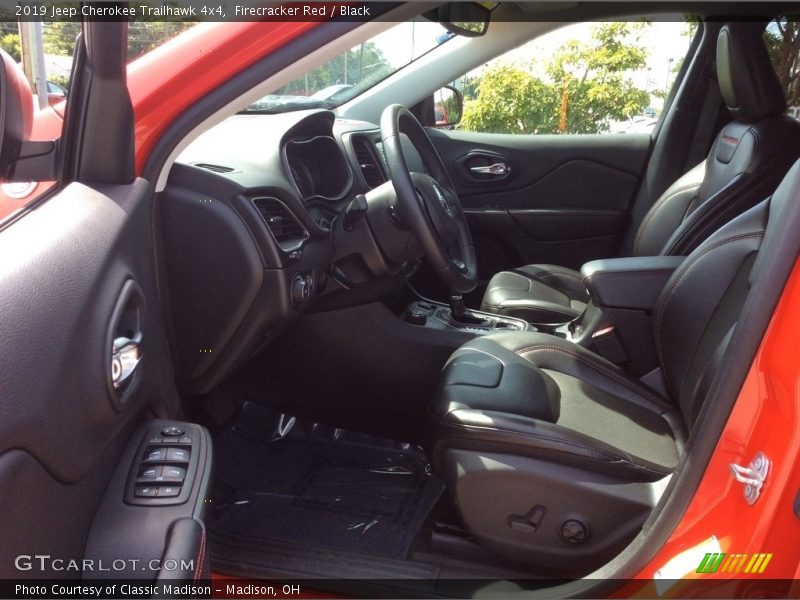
(155, 455)
(177, 473)
(177, 455)
(149, 473)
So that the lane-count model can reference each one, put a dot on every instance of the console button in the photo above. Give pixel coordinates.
(183, 440)
(416, 317)
(176, 473)
(145, 491)
(156, 439)
(177, 455)
(155, 455)
(169, 491)
(172, 431)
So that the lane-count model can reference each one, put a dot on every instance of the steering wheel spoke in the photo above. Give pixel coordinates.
(428, 201)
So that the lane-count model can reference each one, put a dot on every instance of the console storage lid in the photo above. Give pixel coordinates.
(633, 283)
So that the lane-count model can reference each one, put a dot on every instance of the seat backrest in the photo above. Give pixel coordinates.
(701, 303)
(748, 159)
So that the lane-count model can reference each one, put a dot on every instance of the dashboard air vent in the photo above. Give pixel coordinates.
(367, 159)
(284, 226)
(215, 168)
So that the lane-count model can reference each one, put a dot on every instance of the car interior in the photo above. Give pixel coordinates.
(349, 345)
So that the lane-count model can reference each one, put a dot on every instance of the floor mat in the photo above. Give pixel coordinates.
(281, 478)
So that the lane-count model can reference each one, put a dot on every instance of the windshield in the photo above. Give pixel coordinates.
(351, 73)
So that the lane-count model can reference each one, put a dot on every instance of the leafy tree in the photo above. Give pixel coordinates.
(59, 37)
(511, 100)
(585, 86)
(783, 43)
(11, 44)
(594, 78)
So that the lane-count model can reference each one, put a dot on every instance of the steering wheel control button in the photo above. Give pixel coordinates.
(169, 491)
(155, 455)
(145, 491)
(180, 455)
(173, 431)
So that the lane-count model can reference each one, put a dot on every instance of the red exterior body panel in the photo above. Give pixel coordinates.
(166, 81)
(766, 418)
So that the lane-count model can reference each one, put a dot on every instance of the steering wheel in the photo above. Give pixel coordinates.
(428, 203)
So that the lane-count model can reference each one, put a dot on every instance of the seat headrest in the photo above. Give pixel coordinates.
(747, 80)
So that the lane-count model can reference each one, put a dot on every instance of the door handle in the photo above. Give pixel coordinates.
(125, 357)
(498, 169)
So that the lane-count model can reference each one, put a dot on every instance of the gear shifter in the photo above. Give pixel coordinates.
(460, 314)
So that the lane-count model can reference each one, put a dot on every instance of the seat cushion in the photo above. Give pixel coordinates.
(544, 294)
(556, 401)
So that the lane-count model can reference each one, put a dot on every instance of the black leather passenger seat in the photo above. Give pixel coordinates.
(747, 160)
(537, 437)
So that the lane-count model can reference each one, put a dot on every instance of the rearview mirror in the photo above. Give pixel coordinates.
(468, 19)
(16, 113)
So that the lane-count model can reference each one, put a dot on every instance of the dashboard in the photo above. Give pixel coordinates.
(251, 223)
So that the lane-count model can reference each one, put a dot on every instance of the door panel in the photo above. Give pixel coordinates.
(62, 424)
(562, 199)
(84, 356)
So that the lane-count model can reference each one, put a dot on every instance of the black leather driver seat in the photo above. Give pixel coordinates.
(747, 160)
(556, 456)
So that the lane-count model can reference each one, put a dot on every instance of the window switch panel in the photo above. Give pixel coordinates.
(165, 466)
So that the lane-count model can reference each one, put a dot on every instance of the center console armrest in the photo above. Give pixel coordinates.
(632, 283)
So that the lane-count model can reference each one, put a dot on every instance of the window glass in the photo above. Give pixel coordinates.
(44, 52)
(782, 37)
(51, 45)
(353, 72)
(581, 78)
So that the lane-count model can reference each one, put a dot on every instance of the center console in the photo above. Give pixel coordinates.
(617, 322)
(432, 315)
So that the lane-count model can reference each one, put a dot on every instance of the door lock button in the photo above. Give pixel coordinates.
(145, 491)
(169, 491)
